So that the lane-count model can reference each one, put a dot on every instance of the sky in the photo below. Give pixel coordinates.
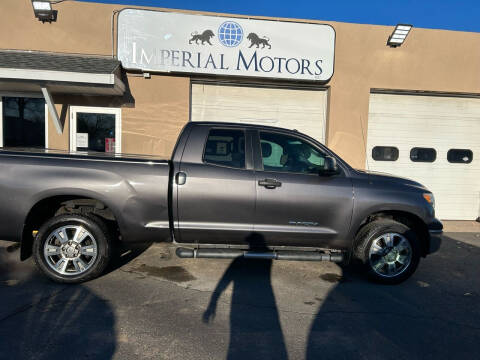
(460, 15)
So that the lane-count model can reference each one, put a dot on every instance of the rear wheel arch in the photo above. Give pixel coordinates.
(52, 206)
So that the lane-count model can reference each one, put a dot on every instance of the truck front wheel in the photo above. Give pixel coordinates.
(72, 248)
(389, 251)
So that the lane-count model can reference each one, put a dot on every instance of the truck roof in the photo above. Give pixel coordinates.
(247, 125)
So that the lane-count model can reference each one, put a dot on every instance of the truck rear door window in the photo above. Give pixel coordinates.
(225, 147)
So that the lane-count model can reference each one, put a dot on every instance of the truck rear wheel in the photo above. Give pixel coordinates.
(389, 250)
(72, 248)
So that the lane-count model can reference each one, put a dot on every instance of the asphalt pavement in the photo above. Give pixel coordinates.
(151, 305)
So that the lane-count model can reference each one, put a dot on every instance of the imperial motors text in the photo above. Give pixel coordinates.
(169, 59)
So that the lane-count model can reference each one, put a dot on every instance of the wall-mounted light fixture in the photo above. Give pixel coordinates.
(399, 35)
(43, 10)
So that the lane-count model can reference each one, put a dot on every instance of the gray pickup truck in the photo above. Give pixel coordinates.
(229, 190)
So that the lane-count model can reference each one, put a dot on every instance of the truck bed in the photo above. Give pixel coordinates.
(133, 187)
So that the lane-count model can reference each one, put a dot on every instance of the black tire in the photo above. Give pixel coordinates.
(372, 231)
(95, 226)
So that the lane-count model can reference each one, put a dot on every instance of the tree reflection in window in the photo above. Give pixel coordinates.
(99, 127)
(23, 122)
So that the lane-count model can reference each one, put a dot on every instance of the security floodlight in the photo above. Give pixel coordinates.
(399, 35)
(43, 11)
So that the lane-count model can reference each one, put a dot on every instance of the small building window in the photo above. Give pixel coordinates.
(418, 154)
(385, 153)
(225, 147)
(460, 156)
(23, 122)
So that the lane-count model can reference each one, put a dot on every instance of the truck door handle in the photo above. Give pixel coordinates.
(270, 183)
(181, 178)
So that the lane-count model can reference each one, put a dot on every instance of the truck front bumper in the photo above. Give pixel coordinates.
(435, 229)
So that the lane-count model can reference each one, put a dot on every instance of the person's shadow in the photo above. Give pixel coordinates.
(255, 331)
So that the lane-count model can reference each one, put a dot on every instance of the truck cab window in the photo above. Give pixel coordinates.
(289, 154)
(225, 147)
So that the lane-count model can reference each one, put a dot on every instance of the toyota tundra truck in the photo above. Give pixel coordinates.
(229, 190)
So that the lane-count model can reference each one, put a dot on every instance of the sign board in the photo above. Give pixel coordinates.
(154, 41)
(82, 140)
(109, 145)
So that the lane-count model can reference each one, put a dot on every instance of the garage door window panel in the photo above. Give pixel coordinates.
(418, 154)
(225, 147)
(460, 156)
(385, 153)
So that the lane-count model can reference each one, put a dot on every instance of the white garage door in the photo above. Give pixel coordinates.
(446, 133)
(303, 110)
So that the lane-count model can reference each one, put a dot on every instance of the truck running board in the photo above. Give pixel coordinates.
(186, 253)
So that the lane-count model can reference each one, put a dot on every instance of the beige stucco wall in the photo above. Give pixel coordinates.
(161, 109)
(55, 140)
(430, 60)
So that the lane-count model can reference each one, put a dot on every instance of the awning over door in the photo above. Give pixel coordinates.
(54, 73)
(61, 73)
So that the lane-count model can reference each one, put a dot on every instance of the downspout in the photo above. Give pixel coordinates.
(115, 12)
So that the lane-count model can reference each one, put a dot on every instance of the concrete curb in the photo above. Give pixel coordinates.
(461, 226)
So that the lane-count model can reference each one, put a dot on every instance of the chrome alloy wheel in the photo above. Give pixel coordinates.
(390, 254)
(70, 250)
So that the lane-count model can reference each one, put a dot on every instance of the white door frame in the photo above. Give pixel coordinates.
(96, 110)
(26, 95)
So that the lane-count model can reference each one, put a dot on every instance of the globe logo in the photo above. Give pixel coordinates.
(230, 34)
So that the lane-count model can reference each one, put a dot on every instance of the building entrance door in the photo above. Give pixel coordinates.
(95, 129)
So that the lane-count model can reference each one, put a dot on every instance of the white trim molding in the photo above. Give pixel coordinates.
(53, 111)
(63, 76)
(46, 126)
(1, 121)
(96, 110)
(39, 77)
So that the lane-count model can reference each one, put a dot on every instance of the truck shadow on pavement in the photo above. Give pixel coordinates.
(124, 254)
(43, 320)
(435, 314)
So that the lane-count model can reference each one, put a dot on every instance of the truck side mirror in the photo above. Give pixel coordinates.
(330, 167)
